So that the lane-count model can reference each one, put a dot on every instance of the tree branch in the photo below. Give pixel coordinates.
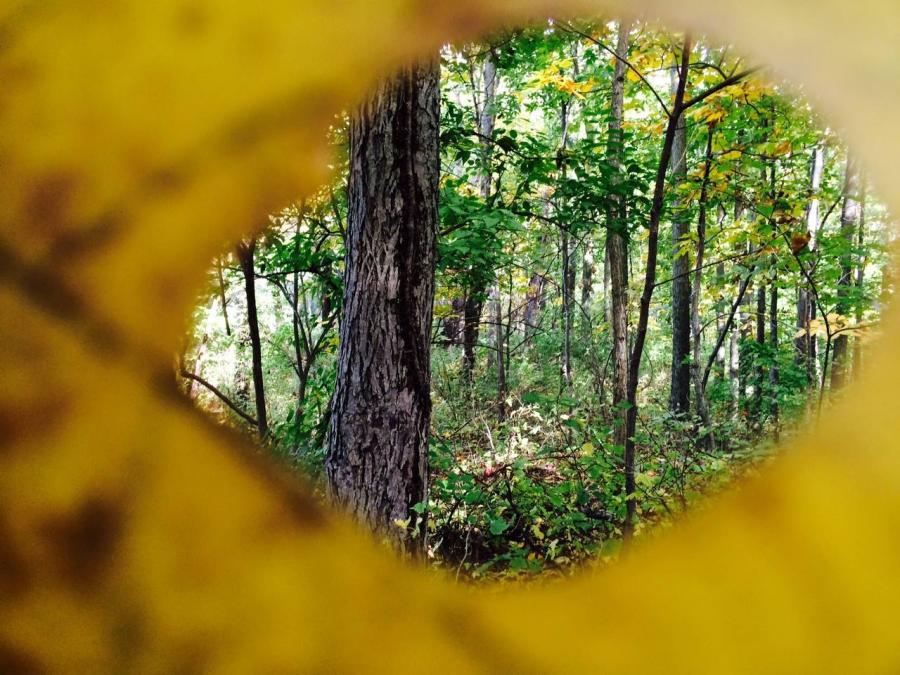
(222, 397)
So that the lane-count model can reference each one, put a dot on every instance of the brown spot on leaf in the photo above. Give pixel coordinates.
(85, 541)
(15, 661)
(50, 201)
(192, 19)
(15, 577)
(30, 420)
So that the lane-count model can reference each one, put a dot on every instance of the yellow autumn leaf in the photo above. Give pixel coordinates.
(137, 140)
(783, 148)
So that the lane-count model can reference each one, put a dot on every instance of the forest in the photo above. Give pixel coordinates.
(564, 285)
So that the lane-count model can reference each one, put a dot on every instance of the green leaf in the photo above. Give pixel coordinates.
(498, 526)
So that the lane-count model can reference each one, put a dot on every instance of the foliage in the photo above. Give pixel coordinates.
(533, 482)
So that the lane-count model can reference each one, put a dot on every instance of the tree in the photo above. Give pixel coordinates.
(486, 120)
(377, 449)
(807, 344)
(680, 391)
(245, 253)
(637, 351)
(850, 217)
(617, 246)
(560, 162)
(696, 328)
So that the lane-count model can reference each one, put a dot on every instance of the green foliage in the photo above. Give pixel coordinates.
(534, 482)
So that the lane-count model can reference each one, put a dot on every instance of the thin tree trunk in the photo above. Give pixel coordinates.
(533, 304)
(699, 384)
(805, 304)
(566, 309)
(377, 448)
(773, 347)
(245, 255)
(850, 214)
(617, 259)
(773, 310)
(640, 336)
(734, 371)
(679, 395)
(471, 320)
(567, 280)
(299, 351)
(222, 297)
(499, 356)
(744, 361)
(721, 357)
(759, 371)
(860, 276)
(587, 284)
(486, 122)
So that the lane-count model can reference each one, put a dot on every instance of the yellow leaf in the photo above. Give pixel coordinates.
(138, 139)
(783, 148)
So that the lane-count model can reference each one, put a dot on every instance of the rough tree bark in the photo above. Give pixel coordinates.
(245, 254)
(377, 449)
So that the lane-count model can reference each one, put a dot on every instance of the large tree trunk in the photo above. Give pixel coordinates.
(850, 213)
(617, 250)
(680, 392)
(377, 448)
(245, 255)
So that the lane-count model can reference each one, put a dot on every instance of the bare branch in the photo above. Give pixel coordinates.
(222, 397)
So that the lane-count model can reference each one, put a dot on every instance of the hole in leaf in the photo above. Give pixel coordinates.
(597, 186)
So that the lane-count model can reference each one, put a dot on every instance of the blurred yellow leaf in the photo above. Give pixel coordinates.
(137, 140)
